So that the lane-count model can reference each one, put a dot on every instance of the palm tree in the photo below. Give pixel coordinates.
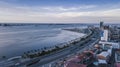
(56, 47)
(24, 52)
(31, 50)
(38, 49)
(3, 57)
(28, 51)
(35, 50)
(45, 48)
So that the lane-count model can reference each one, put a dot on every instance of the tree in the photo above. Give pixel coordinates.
(3, 57)
(28, 51)
(56, 47)
(35, 50)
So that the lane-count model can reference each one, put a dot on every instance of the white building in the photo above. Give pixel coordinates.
(104, 35)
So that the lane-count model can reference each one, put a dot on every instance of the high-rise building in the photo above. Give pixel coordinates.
(105, 33)
(101, 24)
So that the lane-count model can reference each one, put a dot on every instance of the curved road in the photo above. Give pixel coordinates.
(64, 52)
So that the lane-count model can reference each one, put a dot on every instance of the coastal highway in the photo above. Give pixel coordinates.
(62, 53)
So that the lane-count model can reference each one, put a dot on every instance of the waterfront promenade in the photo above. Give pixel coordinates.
(59, 62)
(73, 48)
(80, 46)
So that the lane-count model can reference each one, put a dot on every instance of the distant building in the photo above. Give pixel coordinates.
(115, 33)
(101, 24)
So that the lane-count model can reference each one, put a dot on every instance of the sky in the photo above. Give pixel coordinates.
(59, 11)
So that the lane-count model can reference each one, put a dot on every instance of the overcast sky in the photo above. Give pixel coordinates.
(60, 11)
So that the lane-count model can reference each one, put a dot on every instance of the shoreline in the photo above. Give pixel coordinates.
(63, 45)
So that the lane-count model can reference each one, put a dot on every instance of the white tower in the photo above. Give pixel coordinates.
(105, 35)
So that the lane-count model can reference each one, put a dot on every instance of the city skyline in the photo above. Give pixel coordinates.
(59, 11)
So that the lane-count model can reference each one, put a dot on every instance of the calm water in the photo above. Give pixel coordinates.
(15, 40)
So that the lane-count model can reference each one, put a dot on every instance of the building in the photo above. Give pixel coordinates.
(115, 34)
(105, 33)
(105, 53)
(101, 24)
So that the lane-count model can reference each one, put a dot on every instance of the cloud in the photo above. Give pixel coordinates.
(81, 13)
(75, 8)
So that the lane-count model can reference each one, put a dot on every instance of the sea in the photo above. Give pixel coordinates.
(15, 40)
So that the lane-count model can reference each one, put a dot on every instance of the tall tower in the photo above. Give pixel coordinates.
(101, 24)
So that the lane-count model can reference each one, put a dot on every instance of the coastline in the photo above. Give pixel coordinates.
(59, 44)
